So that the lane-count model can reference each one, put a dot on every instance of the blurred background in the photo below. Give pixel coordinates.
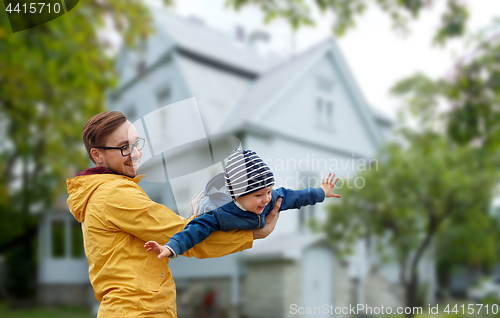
(399, 99)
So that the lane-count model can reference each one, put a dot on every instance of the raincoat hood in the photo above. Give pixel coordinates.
(81, 188)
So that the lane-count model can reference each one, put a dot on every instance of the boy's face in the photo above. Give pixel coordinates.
(256, 201)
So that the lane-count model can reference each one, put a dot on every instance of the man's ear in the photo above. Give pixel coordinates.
(96, 155)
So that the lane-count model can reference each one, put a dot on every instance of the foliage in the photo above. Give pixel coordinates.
(298, 13)
(464, 106)
(52, 80)
(424, 189)
(470, 94)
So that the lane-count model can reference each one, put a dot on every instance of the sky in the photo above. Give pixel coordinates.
(377, 55)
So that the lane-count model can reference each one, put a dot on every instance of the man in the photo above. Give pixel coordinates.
(118, 218)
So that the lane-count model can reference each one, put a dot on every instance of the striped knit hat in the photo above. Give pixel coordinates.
(245, 173)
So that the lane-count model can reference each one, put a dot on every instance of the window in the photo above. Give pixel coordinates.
(141, 68)
(131, 113)
(307, 213)
(141, 52)
(163, 96)
(324, 113)
(324, 104)
(77, 241)
(66, 239)
(58, 238)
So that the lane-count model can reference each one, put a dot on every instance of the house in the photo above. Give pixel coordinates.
(196, 94)
(62, 266)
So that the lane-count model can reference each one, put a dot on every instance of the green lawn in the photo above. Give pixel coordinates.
(56, 312)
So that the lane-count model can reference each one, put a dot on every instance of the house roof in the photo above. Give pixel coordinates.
(197, 39)
(252, 97)
(274, 84)
(382, 116)
(216, 91)
(267, 87)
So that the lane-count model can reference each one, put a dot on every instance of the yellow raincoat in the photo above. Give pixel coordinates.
(117, 219)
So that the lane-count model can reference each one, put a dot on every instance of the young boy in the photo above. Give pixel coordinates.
(247, 199)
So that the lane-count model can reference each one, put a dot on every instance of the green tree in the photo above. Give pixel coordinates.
(424, 189)
(470, 93)
(436, 189)
(52, 80)
(298, 13)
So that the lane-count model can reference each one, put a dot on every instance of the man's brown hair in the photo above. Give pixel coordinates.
(99, 127)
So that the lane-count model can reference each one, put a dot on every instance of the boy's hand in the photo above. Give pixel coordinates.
(327, 186)
(161, 250)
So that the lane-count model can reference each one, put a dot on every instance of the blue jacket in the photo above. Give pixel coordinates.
(229, 216)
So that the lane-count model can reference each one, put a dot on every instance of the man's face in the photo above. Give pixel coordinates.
(113, 158)
(256, 201)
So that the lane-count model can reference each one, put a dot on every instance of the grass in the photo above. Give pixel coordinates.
(53, 312)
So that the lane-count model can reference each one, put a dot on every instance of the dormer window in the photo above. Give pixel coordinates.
(131, 113)
(141, 68)
(163, 96)
(324, 112)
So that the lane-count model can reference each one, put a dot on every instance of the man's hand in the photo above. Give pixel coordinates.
(271, 220)
(327, 186)
(161, 250)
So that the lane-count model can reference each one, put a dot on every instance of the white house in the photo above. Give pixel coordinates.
(196, 94)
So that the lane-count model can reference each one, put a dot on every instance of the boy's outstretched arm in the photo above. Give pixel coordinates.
(295, 199)
(271, 219)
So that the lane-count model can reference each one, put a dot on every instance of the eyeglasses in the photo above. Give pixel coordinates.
(128, 149)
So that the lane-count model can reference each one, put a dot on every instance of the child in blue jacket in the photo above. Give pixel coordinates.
(240, 198)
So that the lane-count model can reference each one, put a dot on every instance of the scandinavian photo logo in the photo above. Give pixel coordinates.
(179, 152)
